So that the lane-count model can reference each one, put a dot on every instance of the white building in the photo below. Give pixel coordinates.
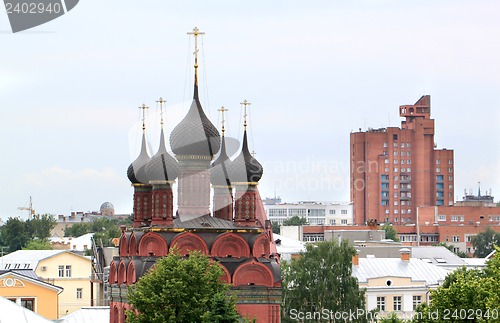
(397, 284)
(316, 213)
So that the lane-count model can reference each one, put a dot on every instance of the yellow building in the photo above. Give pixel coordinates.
(26, 289)
(61, 268)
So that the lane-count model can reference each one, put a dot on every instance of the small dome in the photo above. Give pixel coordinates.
(219, 174)
(245, 168)
(162, 166)
(136, 171)
(195, 134)
(107, 209)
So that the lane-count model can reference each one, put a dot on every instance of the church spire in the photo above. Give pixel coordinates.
(196, 32)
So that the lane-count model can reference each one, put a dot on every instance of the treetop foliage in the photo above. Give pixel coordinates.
(321, 278)
(182, 289)
(484, 242)
(467, 295)
(17, 233)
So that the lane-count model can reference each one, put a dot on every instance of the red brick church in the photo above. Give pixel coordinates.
(236, 233)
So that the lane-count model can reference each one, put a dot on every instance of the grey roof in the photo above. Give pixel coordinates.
(438, 255)
(14, 313)
(416, 269)
(30, 273)
(475, 262)
(95, 314)
(205, 221)
(26, 259)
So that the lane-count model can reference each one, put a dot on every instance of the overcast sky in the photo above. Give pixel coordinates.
(313, 70)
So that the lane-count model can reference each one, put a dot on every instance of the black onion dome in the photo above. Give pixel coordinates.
(162, 166)
(245, 168)
(195, 134)
(219, 173)
(136, 171)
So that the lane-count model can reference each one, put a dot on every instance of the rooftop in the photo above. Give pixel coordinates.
(415, 269)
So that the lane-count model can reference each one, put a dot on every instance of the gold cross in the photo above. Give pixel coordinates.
(143, 107)
(161, 101)
(222, 110)
(245, 104)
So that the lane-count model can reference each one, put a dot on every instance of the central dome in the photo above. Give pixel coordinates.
(195, 134)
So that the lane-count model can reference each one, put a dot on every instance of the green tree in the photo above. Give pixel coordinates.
(484, 242)
(295, 220)
(104, 230)
(41, 225)
(77, 229)
(392, 318)
(14, 234)
(182, 289)
(321, 279)
(38, 244)
(276, 227)
(467, 295)
(390, 232)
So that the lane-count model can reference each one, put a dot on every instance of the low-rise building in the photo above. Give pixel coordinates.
(61, 268)
(25, 288)
(397, 284)
(316, 213)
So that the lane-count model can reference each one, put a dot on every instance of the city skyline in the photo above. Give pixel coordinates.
(70, 91)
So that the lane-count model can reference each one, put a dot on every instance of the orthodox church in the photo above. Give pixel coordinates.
(236, 233)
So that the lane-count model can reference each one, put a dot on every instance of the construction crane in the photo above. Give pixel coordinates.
(29, 208)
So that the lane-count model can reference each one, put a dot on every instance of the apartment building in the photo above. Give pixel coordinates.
(395, 170)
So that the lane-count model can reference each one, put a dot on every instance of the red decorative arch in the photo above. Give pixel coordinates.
(226, 277)
(131, 273)
(122, 273)
(152, 243)
(261, 246)
(230, 244)
(132, 246)
(123, 245)
(187, 241)
(253, 273)
(113, 273)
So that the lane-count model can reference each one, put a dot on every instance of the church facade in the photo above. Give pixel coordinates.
(234, 231)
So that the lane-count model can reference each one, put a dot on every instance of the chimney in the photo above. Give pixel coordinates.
(355, 259)
(405, 254)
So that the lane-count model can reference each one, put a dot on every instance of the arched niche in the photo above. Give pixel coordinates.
(152, 244)
(253, 274)
(187, 241)
(123, 245)
(113, 272)
(122, 272)
(132, 245)
(230, 244)
(261, 247)
(131, 273)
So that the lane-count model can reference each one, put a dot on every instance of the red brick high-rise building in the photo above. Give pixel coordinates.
(395, 170)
